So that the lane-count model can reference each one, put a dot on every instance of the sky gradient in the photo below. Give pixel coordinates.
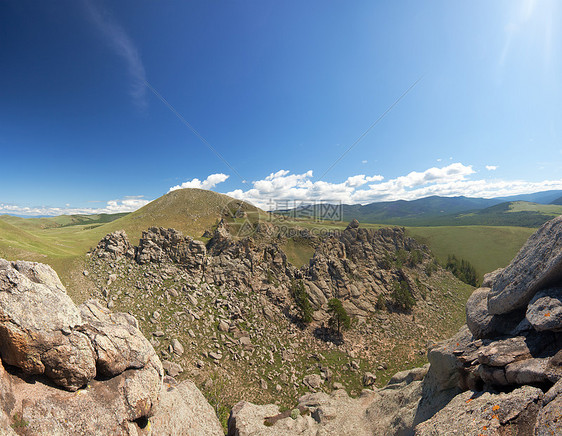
(107, 105)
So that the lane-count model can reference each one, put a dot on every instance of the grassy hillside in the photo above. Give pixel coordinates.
(63, 241)
(60, 221)
(485, 247)
(191, 211)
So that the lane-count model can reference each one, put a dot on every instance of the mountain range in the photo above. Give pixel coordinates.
(528, 210)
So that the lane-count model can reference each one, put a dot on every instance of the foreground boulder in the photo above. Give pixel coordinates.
(184, 410)
(110, 375)
(40, 326)
(537, 266)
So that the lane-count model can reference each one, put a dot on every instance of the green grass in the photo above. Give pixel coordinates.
(485, 247)
(525, 206)
(298, 252)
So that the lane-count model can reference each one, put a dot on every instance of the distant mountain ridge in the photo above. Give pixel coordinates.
(542, 197)
(438, 211)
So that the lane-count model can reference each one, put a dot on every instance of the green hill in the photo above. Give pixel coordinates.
(192, 211)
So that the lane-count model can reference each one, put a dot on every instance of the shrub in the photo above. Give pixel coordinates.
(416, 257)
(339, 319)
(431, 268)
(401, 258)
(381, 302)
(462, 269)
(402, 296)
(302, 301)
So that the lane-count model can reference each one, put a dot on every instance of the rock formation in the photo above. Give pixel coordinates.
(355, 265)
(83, 370)
(500, 375)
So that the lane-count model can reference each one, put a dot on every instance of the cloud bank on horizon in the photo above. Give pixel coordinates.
(455, 179)
(448, 181)
(127, 204)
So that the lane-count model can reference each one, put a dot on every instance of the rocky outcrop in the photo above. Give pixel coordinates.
(537, 266)
(169, 245)
(356, 265)
(116, 244)
(40, 327)
(501, 374)
(111, 376)
(359, 265)
(514, 344)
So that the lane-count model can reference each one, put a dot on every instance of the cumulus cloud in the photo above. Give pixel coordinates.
(209, 183)
(452, 180)
(126, 204)
(123, 46)
(491, 167)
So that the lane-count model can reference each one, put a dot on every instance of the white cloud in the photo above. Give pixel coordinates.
(491, 167)
(364, 161)
(209, 183)
(120, 42)
(126, 204)
(448, 181)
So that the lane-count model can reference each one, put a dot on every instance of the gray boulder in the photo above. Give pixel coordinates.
(527, 372)
(445, 368)
(40, 326)
(504, 352)
(474, 413)
(482, 323)
(116, 339)
(545, 310)
(537, 265)
(183, 410)
(490, 278)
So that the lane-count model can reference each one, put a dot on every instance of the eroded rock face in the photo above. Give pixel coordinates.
(352, 265)
(169, 245)
(537, 266)
(45, 338)
(118, 342)
(40, 326)
(114, 245)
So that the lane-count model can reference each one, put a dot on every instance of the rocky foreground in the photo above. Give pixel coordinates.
(83, 370)
(86, 370)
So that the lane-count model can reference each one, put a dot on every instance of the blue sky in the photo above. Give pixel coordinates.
(107, 105)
